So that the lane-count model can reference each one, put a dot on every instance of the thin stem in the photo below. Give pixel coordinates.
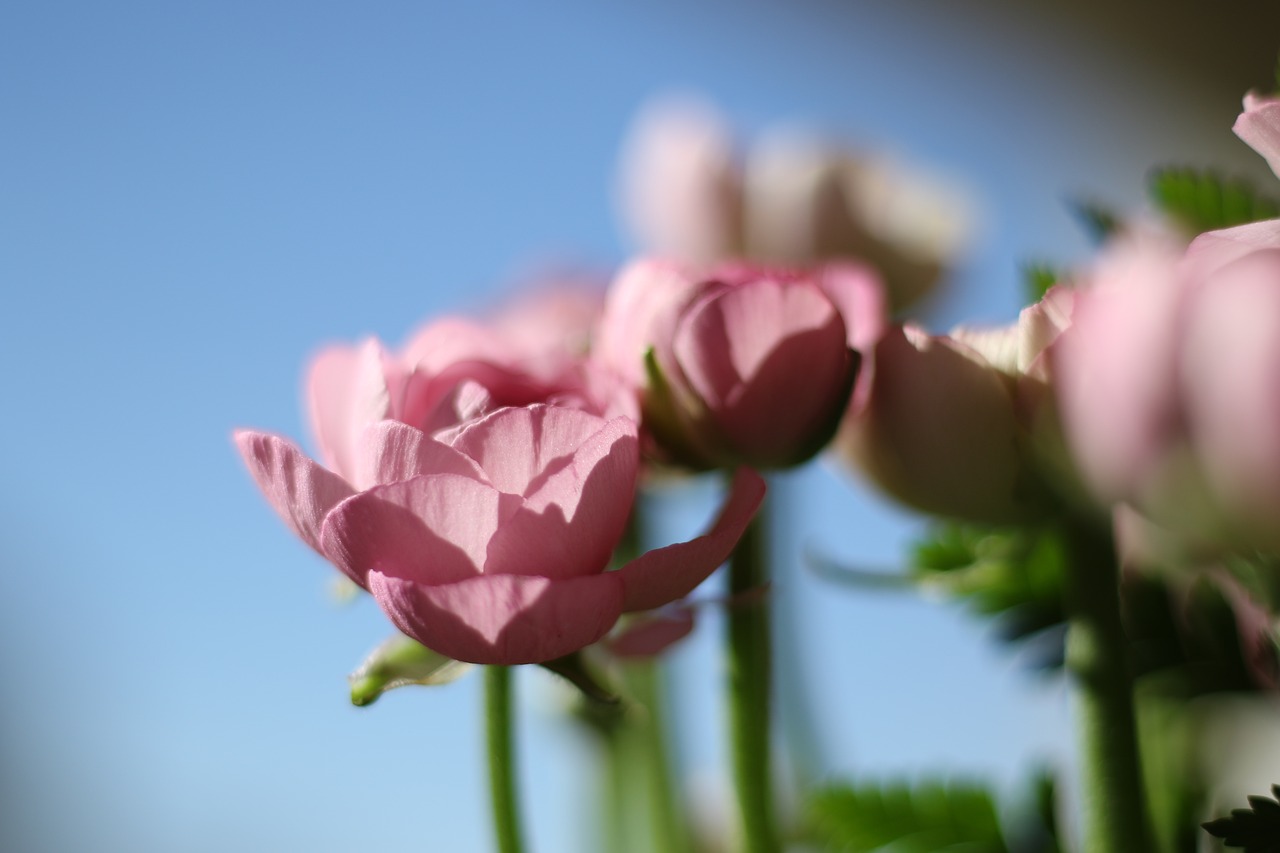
(671, 835)
(1114, 801)
(502, 770)
(749, 689)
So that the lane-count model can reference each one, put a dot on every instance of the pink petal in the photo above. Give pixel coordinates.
(653, 633)
(1259, 126)
(1115, 369)
(392, 451)
(1230, 367)
(516, 448)
(641, 311)
(1215, 249)
(742, 349)
(346, 390)
(573, 518)
(665, 574)
(450, 340)
(502, 619)
(681, 190)
(939, 431)
(299, 490)
(431, 529)
(859, 295)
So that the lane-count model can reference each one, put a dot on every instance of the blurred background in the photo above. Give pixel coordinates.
(195, 197)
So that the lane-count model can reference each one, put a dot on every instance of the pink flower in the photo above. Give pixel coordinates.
(1259, 125)
(491, 547)
(456, 369)
(742, 365)
(939, 430)
(791, 198)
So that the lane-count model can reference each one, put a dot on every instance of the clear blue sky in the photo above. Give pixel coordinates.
(195, 196)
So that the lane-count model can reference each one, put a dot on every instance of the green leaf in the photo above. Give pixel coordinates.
(1013, 574)
(1256, 829)
(399, 662)
(926, 817)
(1037, 278)
(1098, 222)
(1206, 201)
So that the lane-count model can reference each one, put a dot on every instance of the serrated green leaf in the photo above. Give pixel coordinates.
(922, 818)
(1256, 829)
(399, 662)
(1206, 201)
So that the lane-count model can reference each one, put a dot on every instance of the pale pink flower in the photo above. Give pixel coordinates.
(740, 364)
(939, 429)
(688, 192)
(491, 547)
(1259, 126)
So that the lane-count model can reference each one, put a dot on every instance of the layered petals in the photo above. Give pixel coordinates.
(431, 529)
(714, 357)
(301, 492)
(939, 431)
(502, 619)
(666, 574)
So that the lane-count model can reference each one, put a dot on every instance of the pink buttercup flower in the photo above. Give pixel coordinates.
(740, 365)
(456, 369)
(689, 191)
(491, 546)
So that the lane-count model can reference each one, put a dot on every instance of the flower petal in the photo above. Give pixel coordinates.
(653, 633)
(346, 390)
(665, 574)
(432, 529)
(1259, 126)
(502, 619)
(741, 349)
(299, 490)
(392, 451)
(860, 298)
(573, 517)
(517, 448)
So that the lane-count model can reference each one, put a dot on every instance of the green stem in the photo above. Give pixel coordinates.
(749, 689)
(1113, 799)
(502, 771)
(670, 833)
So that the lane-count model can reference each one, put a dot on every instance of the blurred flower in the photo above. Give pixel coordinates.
(795, 199)
(742, 364)
(491, 546)
(939, 431)
(1259, 125)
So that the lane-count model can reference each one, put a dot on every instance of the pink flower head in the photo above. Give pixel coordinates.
(491, 547)
(743, 365)
(939, 429)
(456, 369)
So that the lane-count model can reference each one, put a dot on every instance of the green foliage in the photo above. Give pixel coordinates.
(1205, 201)
(1099, 223)
(1187, 633)
(1256, 829)
(930, 816)
(924, 818)
(1037, 278)
(1014, 575)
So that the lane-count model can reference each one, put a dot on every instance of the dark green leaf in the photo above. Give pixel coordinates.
(1256, 829)
(1099, 223)
(1206, 201)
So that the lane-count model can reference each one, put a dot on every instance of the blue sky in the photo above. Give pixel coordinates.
(194, 197)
